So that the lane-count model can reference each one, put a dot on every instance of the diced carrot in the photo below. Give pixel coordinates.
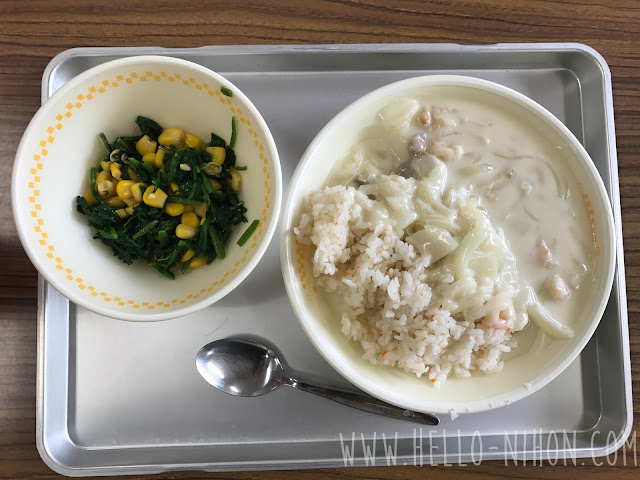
(384, 353)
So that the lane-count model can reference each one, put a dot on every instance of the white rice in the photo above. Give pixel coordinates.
(389, 306)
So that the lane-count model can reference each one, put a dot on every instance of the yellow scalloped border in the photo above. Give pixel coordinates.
(49, 137)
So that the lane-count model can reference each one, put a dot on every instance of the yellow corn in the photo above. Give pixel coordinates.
(106, 189)
(174, 209)
(88, 196)
(130, 202)
(106, 165)
(122, 213)
(192, 141)
(116, 172)
(159, 158)
(201, 210)
(215, 184)
(149, 157)
(132, 175)
(172, 136)
(104, 175)
(174, 187)
(186, 231)
(124, 189)
(188, 208)
(115, 201)
(130, 208)
(146, 145)
(218, 154)
(137, 189)
(190, 218)
(198, 262)
(155, 198)
(236, 180)
(189, 254)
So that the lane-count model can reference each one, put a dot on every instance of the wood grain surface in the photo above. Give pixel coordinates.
(32, 32)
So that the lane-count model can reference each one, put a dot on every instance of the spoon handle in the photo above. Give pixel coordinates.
(367, 403)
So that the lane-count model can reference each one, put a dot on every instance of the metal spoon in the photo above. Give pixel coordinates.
(248, 369)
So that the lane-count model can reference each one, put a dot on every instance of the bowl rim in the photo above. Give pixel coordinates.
(243, 272)
(309, 325)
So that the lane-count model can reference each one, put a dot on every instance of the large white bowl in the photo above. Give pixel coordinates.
(61, 144)
(522, 375)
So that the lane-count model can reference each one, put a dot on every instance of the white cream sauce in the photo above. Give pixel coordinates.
(460, 141)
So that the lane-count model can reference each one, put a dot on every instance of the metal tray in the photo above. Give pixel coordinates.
(103, 408)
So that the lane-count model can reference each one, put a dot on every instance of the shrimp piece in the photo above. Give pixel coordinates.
(424, 117)
(545, 259)
(556, 289)
(444, 152)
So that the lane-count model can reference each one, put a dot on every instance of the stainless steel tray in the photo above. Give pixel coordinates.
(103, 408)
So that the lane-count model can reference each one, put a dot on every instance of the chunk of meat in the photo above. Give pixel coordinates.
(419, 143)
(556, 289)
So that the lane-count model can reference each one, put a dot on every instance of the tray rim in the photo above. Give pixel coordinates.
(620, 278)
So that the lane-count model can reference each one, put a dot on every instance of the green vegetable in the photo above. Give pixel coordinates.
(217, 242)
(226, 91)
(146, 229)
(248, 232)
(185, 201)
(241, 168)
(106, 143)
(149, 233)
(149, 127)
(232, 142)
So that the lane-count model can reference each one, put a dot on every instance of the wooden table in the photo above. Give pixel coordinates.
(32, 32)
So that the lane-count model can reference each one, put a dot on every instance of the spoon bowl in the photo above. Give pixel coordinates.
(240, 368)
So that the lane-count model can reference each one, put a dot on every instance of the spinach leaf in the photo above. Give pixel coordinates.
(149, 127)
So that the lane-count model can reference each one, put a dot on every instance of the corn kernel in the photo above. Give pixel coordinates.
(106, 165)
(149, 157)
(130, 202)
(115, 202)
(186, 231)
(188, 208)
(190, 218)
(103, 176)
(192, 141)
(215, 184)
(116, 172)
(236, 180)
(218, 154)
(159, 158)
(174, 187)
(106, 189)
(88, 196)
(188, 255)
(201, 210)
(122, 213)
(172, 136)
(124, 189)
(132, 175)
(154, 197)
(146, 145)
(137, 189)
(198, 262)
(174, 209)
(130, 208)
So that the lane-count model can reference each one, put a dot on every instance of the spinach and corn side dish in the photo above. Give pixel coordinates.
(166, 197)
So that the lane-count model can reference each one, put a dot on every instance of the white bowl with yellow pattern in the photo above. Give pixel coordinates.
(61, 144)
